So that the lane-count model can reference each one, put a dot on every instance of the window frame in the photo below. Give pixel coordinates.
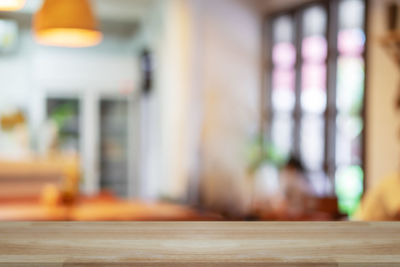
(331, 113)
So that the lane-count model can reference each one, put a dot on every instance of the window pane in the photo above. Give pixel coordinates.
(349, 187)
(8, 35)
(284, 55)
(350, 90)
(114, 146)
(348, 140)
(350, 96)
(315, 20)
(65, 114)
(282, 134)
(284, 60)
(314, 49)
(312, 142)
(314, 54)
(351, 42)
(351, 45)
(321, 184)
(283, 30)
(283, 92)
(351, 14)
(313, 95)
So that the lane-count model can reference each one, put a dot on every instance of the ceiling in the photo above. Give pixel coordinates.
(134, 10)
(115, 10)
(270, 6)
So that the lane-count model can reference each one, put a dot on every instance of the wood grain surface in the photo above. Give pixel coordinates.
(199, 244)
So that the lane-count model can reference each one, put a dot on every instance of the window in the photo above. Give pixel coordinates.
(65, 113)
(316, 94)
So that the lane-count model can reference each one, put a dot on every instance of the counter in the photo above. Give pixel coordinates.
(199, 244)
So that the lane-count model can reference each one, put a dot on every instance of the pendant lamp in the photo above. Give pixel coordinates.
(66, 23)
(11, 5)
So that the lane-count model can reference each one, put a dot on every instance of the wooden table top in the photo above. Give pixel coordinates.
(199, 244)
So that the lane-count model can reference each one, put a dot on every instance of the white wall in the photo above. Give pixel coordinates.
(171, 124)
(383, 124)
(176, 64)
(231, 60)
(151, 36)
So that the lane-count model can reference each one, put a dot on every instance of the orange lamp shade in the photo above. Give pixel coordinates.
(67, 23)
(11, 5)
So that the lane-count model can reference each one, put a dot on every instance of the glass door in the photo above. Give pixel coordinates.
(114, 145)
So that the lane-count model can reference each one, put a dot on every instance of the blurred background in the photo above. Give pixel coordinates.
(199, 110)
